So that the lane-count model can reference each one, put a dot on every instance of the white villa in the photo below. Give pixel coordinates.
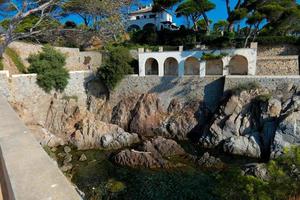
(187, 63)
(144, 17)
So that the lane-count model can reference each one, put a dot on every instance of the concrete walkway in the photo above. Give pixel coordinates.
(26, 171)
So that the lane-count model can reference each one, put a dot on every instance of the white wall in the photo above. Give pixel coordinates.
(181, 56)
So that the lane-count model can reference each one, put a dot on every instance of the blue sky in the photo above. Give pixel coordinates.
(215, 15)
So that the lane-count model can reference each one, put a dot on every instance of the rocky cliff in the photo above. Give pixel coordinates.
(252, 122)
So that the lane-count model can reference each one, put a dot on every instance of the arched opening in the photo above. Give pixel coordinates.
(149, 27)
(151, 66)
(214, 67)
(192, 66)
(133, 28)
(238, 65)
(171, 67)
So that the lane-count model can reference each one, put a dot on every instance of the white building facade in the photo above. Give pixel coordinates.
(188, 63)
(144, 17)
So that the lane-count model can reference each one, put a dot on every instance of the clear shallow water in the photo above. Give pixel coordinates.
(99, 178)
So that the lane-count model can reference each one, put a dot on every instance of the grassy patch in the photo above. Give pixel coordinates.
(68, 98)
(12, 54)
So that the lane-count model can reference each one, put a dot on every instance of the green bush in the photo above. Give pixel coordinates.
(49, 67)
(275, 40)
(282, 182)
(116, 65)
(1, 64)
(211, 56)
(13, 55)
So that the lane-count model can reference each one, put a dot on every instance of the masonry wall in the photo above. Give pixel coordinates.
(75, 59)
(277, 65)
(22, 91)
(278, 84)
(208, 89)
(277, 50)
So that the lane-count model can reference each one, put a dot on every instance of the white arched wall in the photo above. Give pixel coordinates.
(181, 56)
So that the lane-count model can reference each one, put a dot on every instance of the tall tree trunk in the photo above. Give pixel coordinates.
(248, 36)
(207, 23)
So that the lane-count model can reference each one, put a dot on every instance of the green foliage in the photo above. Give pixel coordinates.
(116, 65)
(1, 64)
(282, 182)
(275, 40)
(49, 67)
(211, 56)
(13, 55)
(30, 21)
(233, 185)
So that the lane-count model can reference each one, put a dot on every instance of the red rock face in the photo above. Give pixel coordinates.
(147, 115)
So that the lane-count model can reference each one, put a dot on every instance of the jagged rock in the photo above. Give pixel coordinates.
(257, 170)
(121, 114)
(180, 122)
(151, 154)
(52, 140)
(274, 108)
(147, 115)
(174, 106)
(133, 158)
(163, 147)
(119, 140)
(287, 134)
(83, 128)
(82, 158)
(208, 161)
(244, 146)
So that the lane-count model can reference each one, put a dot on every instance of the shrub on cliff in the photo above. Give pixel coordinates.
(116, 65)
(1, 64)
(49, 67)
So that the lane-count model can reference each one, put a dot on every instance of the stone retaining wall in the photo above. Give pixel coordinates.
(273, 83)
(209, 89)
(23, 91)
(277, 65)
(277, 50)
(75, 59)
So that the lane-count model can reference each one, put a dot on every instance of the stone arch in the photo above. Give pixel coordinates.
(192, 66)
(149, 26)
(133, 27)
(171, 67)
(238, 65)
(214, 67)
(151, 66)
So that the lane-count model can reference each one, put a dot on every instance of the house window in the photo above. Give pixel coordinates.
(137, 17)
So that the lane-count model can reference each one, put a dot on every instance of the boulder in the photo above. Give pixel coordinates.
(163, 147)
(287, 134)
(133, 158)
(119, 140)
(208, 161)
(147, 115)
(256, 169)
(180, 122)
(243, 146)
(121, 114)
